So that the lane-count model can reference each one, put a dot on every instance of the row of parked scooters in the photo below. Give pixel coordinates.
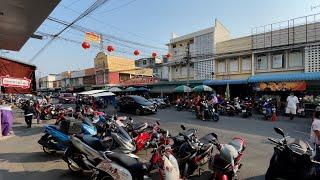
(108, 148)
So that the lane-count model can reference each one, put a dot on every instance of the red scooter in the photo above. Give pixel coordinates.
(226, 163)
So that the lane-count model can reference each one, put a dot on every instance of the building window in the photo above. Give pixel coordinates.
(233, 65)
(144, 62)
(277, 61)
(221, 66)
(180, 45)
(246, 64)
(174, 45)
(295, 59)
(262, 62)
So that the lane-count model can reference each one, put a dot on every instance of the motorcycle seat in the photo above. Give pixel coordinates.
(94, 142)
(135, 167)
(207, 139)
(238, 144)
(138, 126)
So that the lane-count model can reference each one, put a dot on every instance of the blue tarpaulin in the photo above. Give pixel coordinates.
(285, 77)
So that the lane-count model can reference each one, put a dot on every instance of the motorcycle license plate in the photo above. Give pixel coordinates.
(264, 111)
(273, 109)
(244, 110)
(228, 107)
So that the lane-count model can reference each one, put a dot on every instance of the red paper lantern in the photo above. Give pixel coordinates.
(136, 52)
(168, 55)
(85, 45)
(110, 48)
(154, 54)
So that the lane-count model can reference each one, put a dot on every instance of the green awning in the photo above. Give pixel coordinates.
(163, 89)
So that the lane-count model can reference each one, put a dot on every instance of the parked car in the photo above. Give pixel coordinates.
(67, 98)
(136, 104)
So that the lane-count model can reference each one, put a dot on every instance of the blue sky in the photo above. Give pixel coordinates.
(151, 22)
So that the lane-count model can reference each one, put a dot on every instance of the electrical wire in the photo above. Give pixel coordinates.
(116, 8)
(89, 10)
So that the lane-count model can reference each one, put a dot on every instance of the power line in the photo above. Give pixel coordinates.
(84, 29)
(93, 7)
(112, 26)
(116, 8)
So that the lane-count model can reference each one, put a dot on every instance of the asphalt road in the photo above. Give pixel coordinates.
(22, 158)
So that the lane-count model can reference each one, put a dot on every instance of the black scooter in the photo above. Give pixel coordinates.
(292, 159)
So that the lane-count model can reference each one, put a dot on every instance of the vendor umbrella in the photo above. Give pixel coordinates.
(130, 89)
(183, 88)
(202, 88)
(142, 89)
(114, 89)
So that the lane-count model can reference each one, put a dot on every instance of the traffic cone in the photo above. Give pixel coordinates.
(274, 117)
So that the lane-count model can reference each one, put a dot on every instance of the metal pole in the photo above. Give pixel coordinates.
(188, 66)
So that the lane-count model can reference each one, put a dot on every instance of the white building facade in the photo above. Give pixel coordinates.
(200, 48)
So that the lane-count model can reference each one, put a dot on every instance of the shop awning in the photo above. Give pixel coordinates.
(224, 82)
(103, 94)
(163, 89)
(92, 92)
(285, 77)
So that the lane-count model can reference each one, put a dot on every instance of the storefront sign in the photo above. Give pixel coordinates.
(7, 81)
(282, 86)
(139, 81)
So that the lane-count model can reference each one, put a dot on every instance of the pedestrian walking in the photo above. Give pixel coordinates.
(28, 113)
(291, 108)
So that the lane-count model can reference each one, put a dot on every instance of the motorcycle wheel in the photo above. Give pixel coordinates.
(101, 176)
(73, 168)
(48, 151)
(215, 117)
(271, 174)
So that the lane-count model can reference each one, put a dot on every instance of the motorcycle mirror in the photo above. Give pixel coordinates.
(214, 135)
(279, 131)
(158, 123)
(183, 127)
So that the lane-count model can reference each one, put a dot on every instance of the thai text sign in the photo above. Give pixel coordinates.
(7, 81)
(282, 86)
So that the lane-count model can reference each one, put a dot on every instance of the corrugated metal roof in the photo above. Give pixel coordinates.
(285, 77)
(17, 61)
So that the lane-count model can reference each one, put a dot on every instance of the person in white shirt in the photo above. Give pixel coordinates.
(315, 133)
(291, 108)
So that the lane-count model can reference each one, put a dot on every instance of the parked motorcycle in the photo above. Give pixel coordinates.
(194, 153)
(269, 109)
(301, 109)
(209, 113)
(56, 139)
(230, 109)
(226, 163)
(292, 159)
(82, 152)
(125, 167)
(246, 108)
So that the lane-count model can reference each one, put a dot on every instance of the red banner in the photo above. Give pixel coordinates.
(7, 81)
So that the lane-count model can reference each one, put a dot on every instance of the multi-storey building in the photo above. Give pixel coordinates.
(158, 66)
(112, 70)
(47, 82)
(272, 56)
(193, 54)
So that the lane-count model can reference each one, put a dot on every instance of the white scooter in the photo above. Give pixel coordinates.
(122, 166)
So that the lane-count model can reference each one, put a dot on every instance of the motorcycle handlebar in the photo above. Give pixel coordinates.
(274, 141)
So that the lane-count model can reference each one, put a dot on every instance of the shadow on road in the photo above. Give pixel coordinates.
(49, 175)
(24, 131)
(29, 157)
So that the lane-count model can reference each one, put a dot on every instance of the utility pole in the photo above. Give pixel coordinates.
(188, 58)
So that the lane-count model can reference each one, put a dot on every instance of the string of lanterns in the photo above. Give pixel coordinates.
(110, 48)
